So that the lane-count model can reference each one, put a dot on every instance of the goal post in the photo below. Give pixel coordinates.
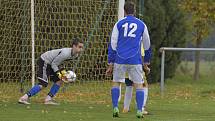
(32, 45)
(163, 50)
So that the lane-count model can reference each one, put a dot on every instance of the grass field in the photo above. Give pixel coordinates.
(183, 100)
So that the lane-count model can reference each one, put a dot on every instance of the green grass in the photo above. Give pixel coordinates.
(183, 100)
(179, 110)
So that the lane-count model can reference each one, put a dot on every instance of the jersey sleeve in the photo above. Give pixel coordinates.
(148, 55)
(111, 54)
(113, 44)
(146, 39)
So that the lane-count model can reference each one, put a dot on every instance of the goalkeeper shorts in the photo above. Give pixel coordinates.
(46, 72)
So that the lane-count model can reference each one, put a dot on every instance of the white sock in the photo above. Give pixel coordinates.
(145, 96)
(128, 96)
(48, 98)
(119, 93)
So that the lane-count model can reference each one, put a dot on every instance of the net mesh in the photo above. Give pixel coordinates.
(57, 22)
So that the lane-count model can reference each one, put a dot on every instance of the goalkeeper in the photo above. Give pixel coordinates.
(129, 84)
(48, 67)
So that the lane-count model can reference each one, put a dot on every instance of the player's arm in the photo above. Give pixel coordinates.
(62, 55)
(146, 39)
(147, 59)
(112, 49)
(146, 50)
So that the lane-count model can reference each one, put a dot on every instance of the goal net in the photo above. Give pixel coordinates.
(56, 23)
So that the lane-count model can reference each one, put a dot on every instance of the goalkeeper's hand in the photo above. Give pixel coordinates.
(61, 74)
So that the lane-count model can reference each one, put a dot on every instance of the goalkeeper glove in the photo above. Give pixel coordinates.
(61, 74)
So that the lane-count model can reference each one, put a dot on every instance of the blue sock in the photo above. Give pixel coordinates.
(115, 96)
(139, 98)
(34, 90)
(54, 89)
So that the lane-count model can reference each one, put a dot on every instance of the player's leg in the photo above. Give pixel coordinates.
(120, 90)
(115, 92)
(33, 91)
(118, 78)
(43, 82)
(145, 85)
(139, 99)
(145, 88)
(136, 74)
(128, 95)
(54, 89)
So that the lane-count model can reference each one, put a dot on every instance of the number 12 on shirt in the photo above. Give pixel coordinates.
(129, 29)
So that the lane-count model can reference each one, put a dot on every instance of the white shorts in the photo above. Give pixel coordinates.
(135, 73)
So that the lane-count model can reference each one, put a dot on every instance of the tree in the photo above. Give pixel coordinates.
(175, 29)
(154, 17)
(166, 28)
(201, 16)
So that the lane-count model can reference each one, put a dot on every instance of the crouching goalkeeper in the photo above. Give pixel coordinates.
(48, 67)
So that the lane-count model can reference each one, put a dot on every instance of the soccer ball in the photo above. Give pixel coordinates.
(70, 76)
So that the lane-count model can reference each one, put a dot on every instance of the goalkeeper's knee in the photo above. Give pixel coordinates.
(42, 83)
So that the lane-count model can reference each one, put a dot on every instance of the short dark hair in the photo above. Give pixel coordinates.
(129, 7)
(76, 41)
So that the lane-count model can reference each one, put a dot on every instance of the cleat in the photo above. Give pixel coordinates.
(125, 110)
(23, 101)
(139, 114)
(51, 102)
(145, 112)
(115, 112)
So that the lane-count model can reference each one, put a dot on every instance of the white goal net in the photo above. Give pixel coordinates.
(56, 23)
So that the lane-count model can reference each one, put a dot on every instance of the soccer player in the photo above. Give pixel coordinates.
(48, 67)
(124, 56)
(129, 85)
